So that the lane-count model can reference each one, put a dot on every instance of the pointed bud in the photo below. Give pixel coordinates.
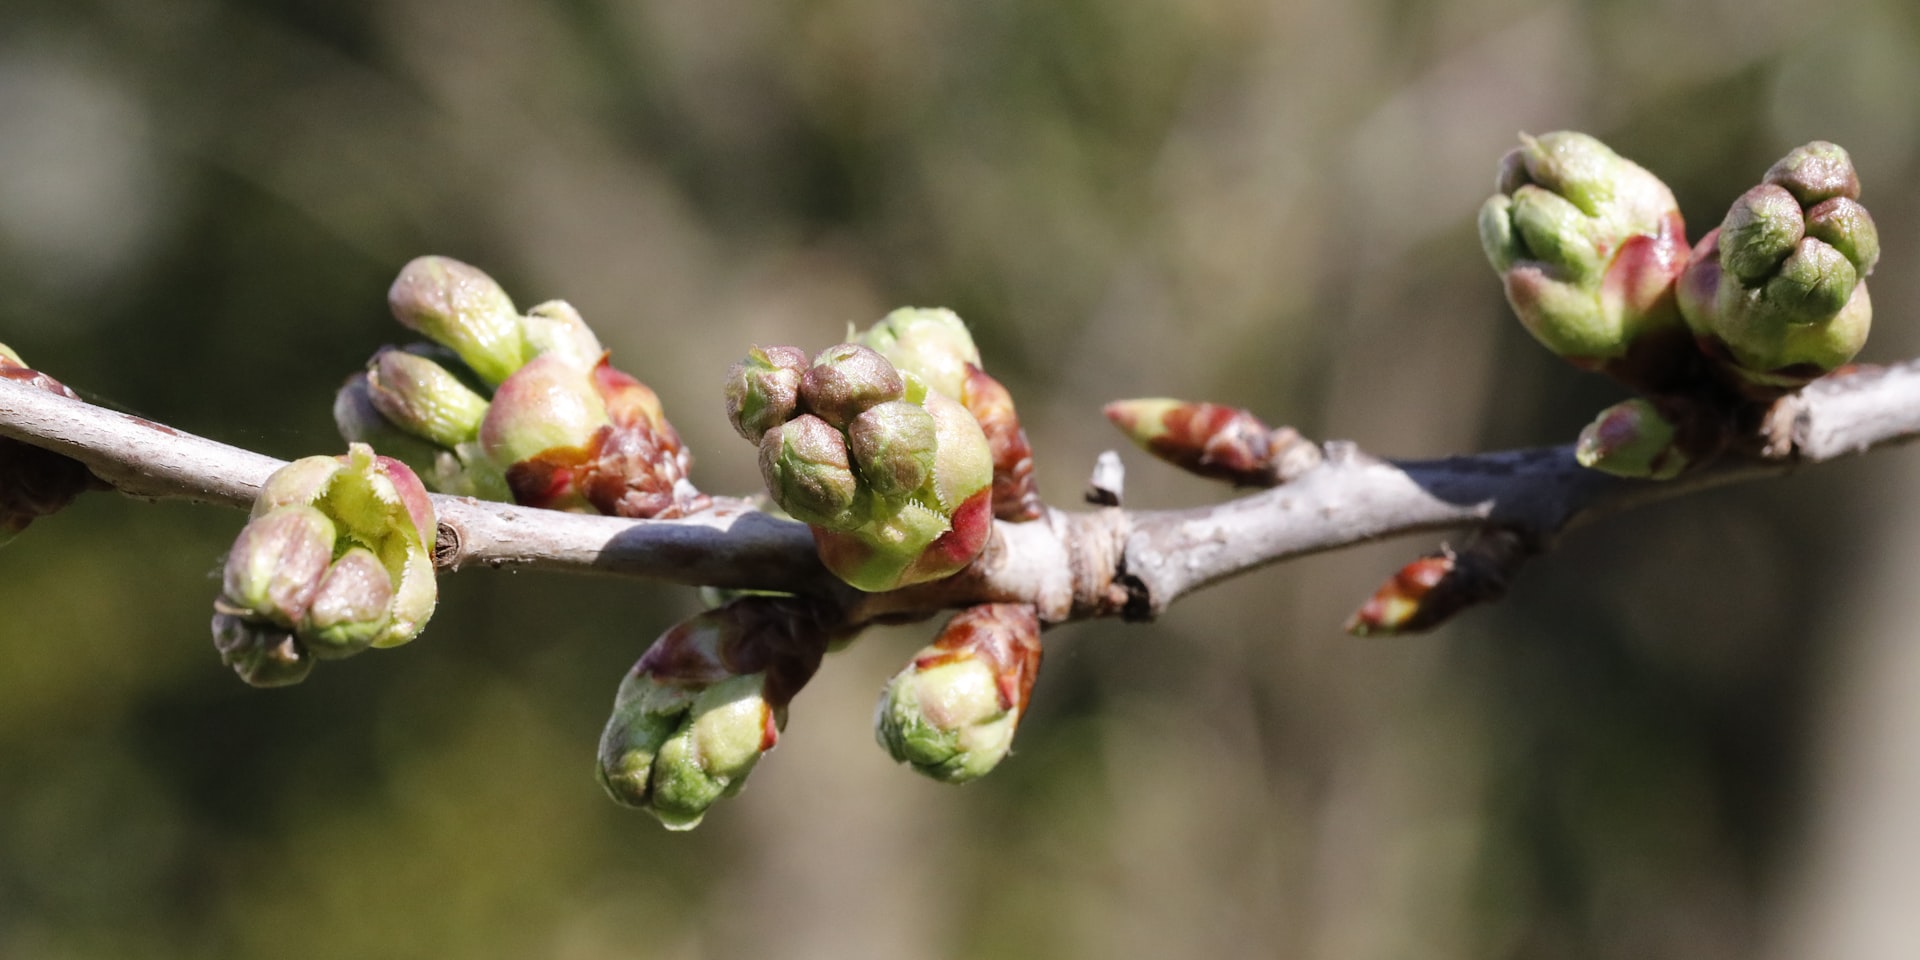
(1777, 294)
(1588, 244)
(805, 466)
(462, 308)
(1432, 589)
(263, 655)
(1631, 439)
(930, 343)
(951, 714)
(555, 327)
(1215, 441)
(35, 482)
(845, 380)
(763, 390)
(423, 399)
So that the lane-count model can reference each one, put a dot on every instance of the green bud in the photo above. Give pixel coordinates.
(262, 655)
(1812, 284)
(847, 379)
(705, 701)
(1843, 224)
(1557, 233)
(1760, 230)
(1589, 245)
(276, 565)
(1631, 439)
(804, 463)
(710, 754)
(763, 390)
(1778, 293)
(930, 343)
(361, 422)
(462, 308)
(350, 609)
(895, 444)
(946, 722)
(952, 712)
(338, 557)
(1498, 239)
(1815, 172)
(555, 327)
(547, 404)
(422, 398)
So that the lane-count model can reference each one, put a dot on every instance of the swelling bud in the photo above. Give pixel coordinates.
(952, 712)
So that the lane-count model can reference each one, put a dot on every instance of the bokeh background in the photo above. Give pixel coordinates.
(1693, 731)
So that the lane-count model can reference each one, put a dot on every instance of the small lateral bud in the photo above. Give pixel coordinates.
(35, 482)
(1632, 439)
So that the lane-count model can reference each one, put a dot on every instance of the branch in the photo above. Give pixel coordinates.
(1104, 562)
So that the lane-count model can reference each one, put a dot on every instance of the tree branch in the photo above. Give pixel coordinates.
(1104, 562)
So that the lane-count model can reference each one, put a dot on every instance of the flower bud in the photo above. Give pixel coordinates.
(845, 380)
(263, 655)
(275, 566)
(423, 399)
(1588, 244)
(895, 445)
(349, 610)
(462, 308)
(952, 712)
(360, 421)
(1631, 439)
(704, 703)
(804, 463)
(555, 327)
(34, 481)
(547, 404)
(763, 390)
(1432, 589)
(1777, 293)
(338, 557)
(1815, 172)
(930, 343)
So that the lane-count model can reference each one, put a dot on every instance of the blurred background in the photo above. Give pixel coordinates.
(1693, 731)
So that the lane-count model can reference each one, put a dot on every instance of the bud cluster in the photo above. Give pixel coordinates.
(934, 345)
(952, 712)
(1591, 249)
(506, 406)
(1777, 293)
(337, 558)
(705, 702)
(892, 475)
(34, 481)
(1588, 245)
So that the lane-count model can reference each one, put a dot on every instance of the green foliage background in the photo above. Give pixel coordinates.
(1676, 739)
